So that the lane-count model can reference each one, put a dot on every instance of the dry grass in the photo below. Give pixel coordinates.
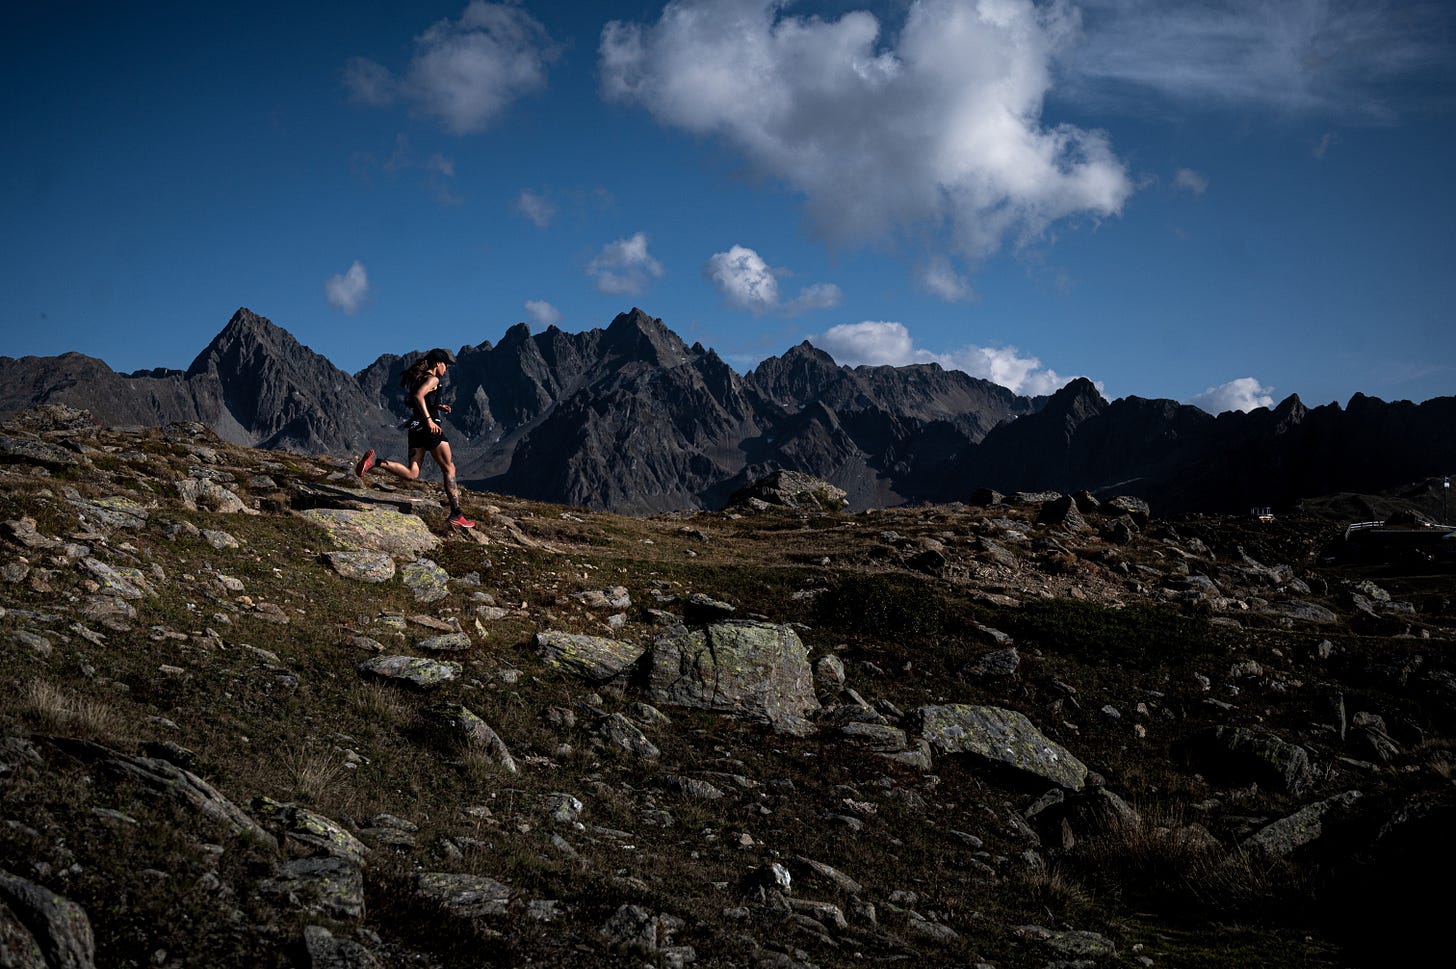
(313, 775)
(53, 710)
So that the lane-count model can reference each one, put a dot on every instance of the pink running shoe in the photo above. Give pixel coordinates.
(460, 521)
(365, 463)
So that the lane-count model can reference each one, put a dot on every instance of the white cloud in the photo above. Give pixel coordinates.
(744, 279)
(1243, 394)
(543, 313)
(890, 343)
(1333, 57)
(464, 72)
(1190, 181)
(936, 129)
(348, 290)
(939, 278)
(624, 267)
(819, 296)
(538, 208)
(748, 283)
(1322, 147)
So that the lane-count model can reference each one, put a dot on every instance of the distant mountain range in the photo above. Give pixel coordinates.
(630, 418)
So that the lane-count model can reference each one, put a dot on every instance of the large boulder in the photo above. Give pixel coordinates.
(39, 927)
(790, 489)
(1002, 737)
(378, 529)
(1243, 754)
(753, 669)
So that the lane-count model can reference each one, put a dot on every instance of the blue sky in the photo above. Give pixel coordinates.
(1218, 202)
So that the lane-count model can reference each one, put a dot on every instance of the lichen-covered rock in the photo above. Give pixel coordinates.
(752, 669)
(619, 732)
(473, 730)
(167, 780)
(445, 643)
(362, 565)
(1302, 827)
(1070, 944)
(466, 896)
(32, 451)
(1302, 611)
(595, 659)
(1002, 737)
(1260, 756)
(117, 580)
(326, 887)
(327, 951)
(426, 580)
(790, 489)
(377, 529)
(57, 926)
(18, 948)
(201, 493)
(310, 829)
(412, 671)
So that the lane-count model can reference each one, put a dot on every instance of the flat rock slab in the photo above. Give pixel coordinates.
(328, 887)
(467, 896)
(1302, 611)
(1002, 737)
(115, 511)
(426, 580)
(376, 530)
(446, 643)
(1303, 827)
(309, 829)
(412, 671)
(362, 566)
(35, 452)
(123, 581)
(753, 669)
(595, 659)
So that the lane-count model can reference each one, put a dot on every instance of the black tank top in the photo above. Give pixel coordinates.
(432, 401)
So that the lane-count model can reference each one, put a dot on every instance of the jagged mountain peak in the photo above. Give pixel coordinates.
(646, 338)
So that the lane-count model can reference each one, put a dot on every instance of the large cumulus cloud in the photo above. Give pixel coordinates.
(937, 129)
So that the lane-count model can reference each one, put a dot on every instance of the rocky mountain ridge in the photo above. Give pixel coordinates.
(630, 418)
(262, 716)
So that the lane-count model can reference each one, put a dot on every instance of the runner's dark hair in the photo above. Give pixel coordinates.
(414, 373)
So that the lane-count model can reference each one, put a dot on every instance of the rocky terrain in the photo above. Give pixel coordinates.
(256, 715)
(630, 418)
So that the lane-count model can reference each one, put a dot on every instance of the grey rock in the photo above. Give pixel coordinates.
(474, 731)
(445, 643)
(699, 609)
(1003, 737)
(995, 665)
(1302, 611)
(412, 671)
(378, 530)
(57, 927)
(791, 489)
(362, 565)
(750, 669)
(464, 896)
(320, 887)
(310, 830)
(619, 732)
(201, 494)
(1071, 944)
(1303, 827)
(1262, 756)
(328, 951)
(426, 580)
(595, 659)
(691, 787)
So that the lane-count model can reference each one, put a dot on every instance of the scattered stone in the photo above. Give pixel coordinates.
(1003, 737)
(446, 643)
(205, 495)
(362, 565)
(995, 665)
(829, 674)
(703, 610)
(617, 731)
(426, 580)
(320, 887)
(595, 659)
(473, 730)
(563, 808)
(327, 951)
(789, 489)
(691, 787)
(464, 896)
(1073, 944)
(637, 930)
(613, 598)
(309, 829)
(1302, 827)
(33, 451)
(220, 539)
(1262, 756)
(422, 674)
